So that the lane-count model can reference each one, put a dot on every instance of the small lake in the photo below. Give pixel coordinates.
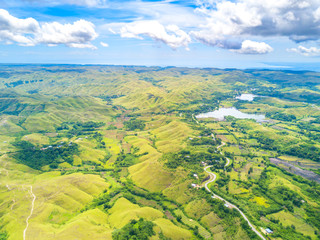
(223, 112)
(246, 97)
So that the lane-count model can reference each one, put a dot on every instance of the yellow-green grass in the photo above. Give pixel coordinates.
(5, 145)
(180, 192)
(123, 211)
(77, 161)
(151, 175)
(299, 160)
(221, 131)
(231, 139)
(197, 208)
(226, 104)
(144, 146)
(211, 221)
(112, 145)
(58, 200)
(232, 149)
(222, 137)
(172, 231)
(171, 136)
(193, 223)
(88, 151)
(235, 189)
(65, 165)
(260, 201)
(151, 99)
(64, 110)
(213, 125)
(88, 225)
(36, 138)
(7, 127)
(239, 134)
(288, 219)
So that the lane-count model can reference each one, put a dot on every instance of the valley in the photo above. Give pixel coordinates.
(95, 152)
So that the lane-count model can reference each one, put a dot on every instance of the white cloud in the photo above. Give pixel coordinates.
(312, 51)
(13, 29)
(88, 3)
(295, 19)
(171, 35)
(103, 44)
(79, 34)
(29, 32)
(252, 47)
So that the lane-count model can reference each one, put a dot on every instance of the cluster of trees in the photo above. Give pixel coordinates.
(302, 150)
(141, 229)
(34, 157)
(281, 116)
(192, 160)
(285, 197)
(223, 180)
(79, 128)
(134, 124)
(125, 160)
(99, 138)
(20, 82)
(203, 141)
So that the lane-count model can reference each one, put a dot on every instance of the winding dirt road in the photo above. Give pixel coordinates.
(31, 212)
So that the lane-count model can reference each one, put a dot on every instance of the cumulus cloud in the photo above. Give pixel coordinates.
(13, 29)
(79, 34)
(103, 44)
(252, 47)
(171, 35)
(296, 19)
(312, 51)
(29, 32)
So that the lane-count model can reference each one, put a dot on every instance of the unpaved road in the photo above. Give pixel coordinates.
(31, 212)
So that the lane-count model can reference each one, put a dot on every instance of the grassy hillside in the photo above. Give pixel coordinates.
(84, 150)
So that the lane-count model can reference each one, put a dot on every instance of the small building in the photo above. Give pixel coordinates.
(213, 196)
(195, 175)
(193, 185)
(226, 205)
(269, 231)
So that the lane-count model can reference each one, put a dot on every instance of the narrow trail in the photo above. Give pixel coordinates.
(31, 212)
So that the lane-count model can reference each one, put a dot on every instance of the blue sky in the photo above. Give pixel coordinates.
(192, 33)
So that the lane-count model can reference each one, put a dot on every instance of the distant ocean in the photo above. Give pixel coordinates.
(295, 66)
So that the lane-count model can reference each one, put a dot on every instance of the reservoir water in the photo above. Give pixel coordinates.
(246, 97)
(223, 112)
